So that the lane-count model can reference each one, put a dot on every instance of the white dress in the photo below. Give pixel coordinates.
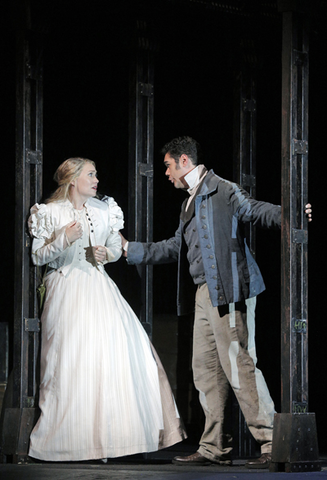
(103, 391)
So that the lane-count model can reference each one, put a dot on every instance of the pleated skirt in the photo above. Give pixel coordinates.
(103, 390)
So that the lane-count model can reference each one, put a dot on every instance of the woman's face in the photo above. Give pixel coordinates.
(86, 184)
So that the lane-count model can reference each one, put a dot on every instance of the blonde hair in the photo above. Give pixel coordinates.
(65, 174)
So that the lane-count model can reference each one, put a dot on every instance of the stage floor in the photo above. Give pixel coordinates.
(138, 468)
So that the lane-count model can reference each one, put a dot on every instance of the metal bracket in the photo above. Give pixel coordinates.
(146, 89)
(146, 170)
(32, 324)
(33, 72)
(248, 180)
(299, 236)
(33, 156)
(30, 71)
(249, 105)
(300, 147)
(299, 325)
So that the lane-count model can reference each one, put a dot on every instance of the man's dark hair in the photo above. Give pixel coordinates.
(183, 145)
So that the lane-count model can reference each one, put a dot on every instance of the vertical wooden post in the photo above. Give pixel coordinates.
(244, 165)
(19, 420)
(295, 445)
(245, 131)
(140, 226)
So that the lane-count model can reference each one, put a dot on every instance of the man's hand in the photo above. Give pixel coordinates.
(123, 242)
(308, 212)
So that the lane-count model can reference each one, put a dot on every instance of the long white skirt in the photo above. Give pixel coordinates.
(103, 391)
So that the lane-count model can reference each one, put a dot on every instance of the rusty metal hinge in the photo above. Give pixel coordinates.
(300, 147)
(146, 89)
(248, 180)
(146, 169)
(32, 324)
(33, 156)
(299, 236)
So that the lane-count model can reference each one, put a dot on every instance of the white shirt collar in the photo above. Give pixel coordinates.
(193, 177)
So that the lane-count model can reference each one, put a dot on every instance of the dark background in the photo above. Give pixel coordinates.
(86, 75)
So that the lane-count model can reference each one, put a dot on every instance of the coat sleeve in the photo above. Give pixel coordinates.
(153, 253)
(46, 246)
(247, 209)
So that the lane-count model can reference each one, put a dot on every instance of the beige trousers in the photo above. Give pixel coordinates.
(224, 355)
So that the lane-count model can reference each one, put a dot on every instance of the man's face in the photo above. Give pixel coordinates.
(174, 171)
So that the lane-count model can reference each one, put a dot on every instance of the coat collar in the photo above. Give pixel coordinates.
(210, 184)
(207, 185)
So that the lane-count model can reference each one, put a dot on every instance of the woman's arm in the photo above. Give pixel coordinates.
(47, 246)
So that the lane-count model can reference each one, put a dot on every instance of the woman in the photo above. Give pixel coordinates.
(103, 391)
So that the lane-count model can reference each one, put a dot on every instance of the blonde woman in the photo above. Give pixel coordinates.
(103, 391)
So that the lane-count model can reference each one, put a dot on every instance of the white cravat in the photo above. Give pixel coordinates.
(193, 178)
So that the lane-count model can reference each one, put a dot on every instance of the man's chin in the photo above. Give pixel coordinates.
(178, 184)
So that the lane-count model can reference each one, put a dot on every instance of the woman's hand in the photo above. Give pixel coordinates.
(99, 253)
(74, 231)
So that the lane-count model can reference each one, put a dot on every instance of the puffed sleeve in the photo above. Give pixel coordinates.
(46, 246)
(116, 222)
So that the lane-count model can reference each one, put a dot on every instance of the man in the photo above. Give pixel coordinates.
(210, 243)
